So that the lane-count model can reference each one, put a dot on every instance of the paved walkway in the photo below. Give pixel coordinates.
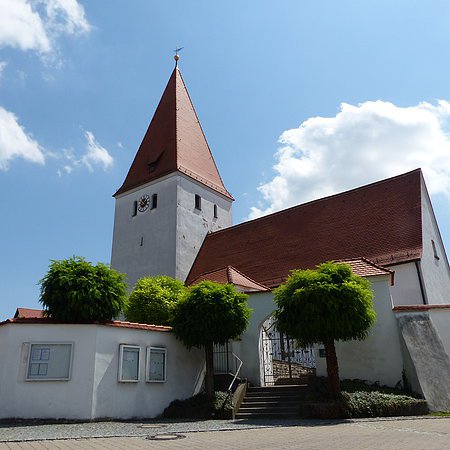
(415, 433)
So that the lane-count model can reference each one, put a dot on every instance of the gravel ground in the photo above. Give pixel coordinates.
(19, 432)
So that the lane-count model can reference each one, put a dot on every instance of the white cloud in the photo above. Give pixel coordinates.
(66, 16)
(361, 144)
(3, 65)
(95, 154)
(15, 142)
(37, 24)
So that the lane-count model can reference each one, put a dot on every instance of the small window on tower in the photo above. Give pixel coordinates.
(135, 206)
(154, 201)
(198, 202)
(215, 211)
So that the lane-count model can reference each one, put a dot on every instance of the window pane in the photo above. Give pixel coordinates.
(157, 365)
(49, 361)
(130, 364)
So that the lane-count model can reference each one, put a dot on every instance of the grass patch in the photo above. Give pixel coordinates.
(201, 407)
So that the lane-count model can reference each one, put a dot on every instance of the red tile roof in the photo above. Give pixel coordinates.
(112, 323)
(381, 222)
(174, 141)
(28, 313)
(365, 268)
(231, 275)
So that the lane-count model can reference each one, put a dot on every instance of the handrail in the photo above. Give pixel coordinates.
(237, 372)
(229, 390)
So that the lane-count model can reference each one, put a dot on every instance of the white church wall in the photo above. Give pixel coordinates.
(377, 358)
(406, 289)
(434, 264)
(145, 244)
(93, 390)
(193, 224)
(248, 347)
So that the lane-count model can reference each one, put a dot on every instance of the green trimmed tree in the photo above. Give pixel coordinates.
(211, 313)
(323, 306)
(74, 290)
(153, 300)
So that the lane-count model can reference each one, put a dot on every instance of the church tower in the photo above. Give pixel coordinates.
(172, 196)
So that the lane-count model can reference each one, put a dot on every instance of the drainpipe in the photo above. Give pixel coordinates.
(422, 287)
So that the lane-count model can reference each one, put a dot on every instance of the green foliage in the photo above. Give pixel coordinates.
(359, 399)
(327, 303)
(379, 404)
(74, 290)
(153, 300)
(210, 313)
(200, 406)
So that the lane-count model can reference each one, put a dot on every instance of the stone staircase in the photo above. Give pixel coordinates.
(272, 402)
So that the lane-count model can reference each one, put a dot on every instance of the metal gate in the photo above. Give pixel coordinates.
(282, 361)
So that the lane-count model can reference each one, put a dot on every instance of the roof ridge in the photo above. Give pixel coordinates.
(200, 125)
(318, 200)
(248, 278)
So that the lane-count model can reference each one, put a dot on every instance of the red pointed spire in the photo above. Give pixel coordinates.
(174, 141)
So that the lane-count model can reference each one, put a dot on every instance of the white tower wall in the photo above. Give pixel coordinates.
(193, 224)
(165, 240)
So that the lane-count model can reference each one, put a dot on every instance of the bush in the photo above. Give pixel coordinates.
(201, 406)
(359, 399)
(153, 300)
(74, 290)
(379, 404)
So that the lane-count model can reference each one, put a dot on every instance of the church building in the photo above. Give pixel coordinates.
(173, 217)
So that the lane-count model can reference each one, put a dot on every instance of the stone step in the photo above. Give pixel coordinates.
(269, 408)
(279, 390)
(274, 398)
(270, 401)
(267, 415)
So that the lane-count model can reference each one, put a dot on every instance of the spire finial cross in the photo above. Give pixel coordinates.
(177, 56)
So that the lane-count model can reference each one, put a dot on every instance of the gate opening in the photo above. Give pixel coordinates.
(282, 361)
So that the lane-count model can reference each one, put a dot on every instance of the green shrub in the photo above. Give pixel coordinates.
(359, 399)
(153, 300)
(200, 406)
(379, 404)
(74, 290)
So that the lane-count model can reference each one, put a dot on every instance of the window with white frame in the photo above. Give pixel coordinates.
(156, 364)
(129, 358)
(49, 361)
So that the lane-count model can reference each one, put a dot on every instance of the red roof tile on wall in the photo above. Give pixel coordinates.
(380, 221)
(28, 313)
(112, 323)
(174, 141)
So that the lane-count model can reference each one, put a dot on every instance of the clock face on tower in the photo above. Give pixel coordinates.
(143, 203)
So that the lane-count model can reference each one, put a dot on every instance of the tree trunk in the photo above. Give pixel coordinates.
(209, 376)
(332, 368)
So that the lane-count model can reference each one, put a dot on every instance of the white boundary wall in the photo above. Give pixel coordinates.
(93, 391)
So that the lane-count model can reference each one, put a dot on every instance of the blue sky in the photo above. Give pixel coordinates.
(297, 100)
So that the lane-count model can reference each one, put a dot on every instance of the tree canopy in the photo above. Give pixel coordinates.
(323, 305)
(211, 313)
(74, 290)
(153, 300)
